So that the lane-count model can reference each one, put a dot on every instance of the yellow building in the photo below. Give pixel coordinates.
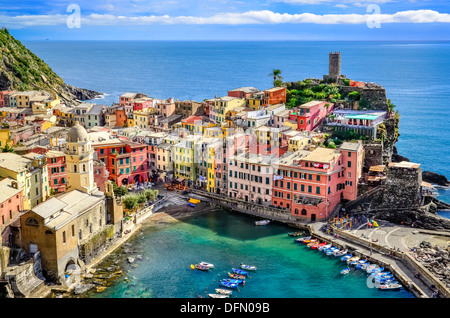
(5, 136)
(141, 117)
(224, 104)
(211, 182)
(298, 143)
(183, 157)
(255, 101)
(31, 174)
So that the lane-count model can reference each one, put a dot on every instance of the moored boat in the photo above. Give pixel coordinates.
(295, 234)
(346, 257)
(262, 222)
(236, 276)
(345, 271)
(390, 286)
(301, 239)
(331, 250)
(340, 252)
(234, 281)
(209, 265)
(248, 267)
(317, 246)
(240, 271)
(201, 267)
(324, 247)
(228, 284)
(191, 204)
(224, 291)
(194, 201)
(312, 242)
(218, 296)
(353, 259)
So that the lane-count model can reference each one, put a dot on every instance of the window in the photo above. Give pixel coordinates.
(309, 189)
(317, 178)
(349, 164)
(317, 190)
(302, 187)
(64, 237)
(73, 230)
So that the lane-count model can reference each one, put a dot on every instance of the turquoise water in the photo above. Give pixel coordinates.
(285, 269)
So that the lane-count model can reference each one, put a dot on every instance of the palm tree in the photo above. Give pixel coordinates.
(276, 74)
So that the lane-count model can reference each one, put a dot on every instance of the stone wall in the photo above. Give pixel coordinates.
(373, 155)
(402, 188)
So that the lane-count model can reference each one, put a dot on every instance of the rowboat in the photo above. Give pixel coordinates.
(352, 259)
(339, 252)
(331, 250)
(362, 265)
(345, 271)
(236, 276)
(295, 234)
(239, 271)
(201, 267)
(248, 267)
(223, 291)
(194, 201)
(191, 204)
(358, 262)
(301, 239)
(390, 286)
(346, 257)
(312, 242)
(209, 265)
(324, 247)
(218, 296)
(234, 281)
(317, 246)
(228, 284)
(262, 222)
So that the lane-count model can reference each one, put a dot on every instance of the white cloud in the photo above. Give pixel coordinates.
(250, 17)
(341, 6)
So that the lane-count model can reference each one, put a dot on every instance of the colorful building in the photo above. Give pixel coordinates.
(57, 170)
(11, 203)
(309, 115)
(275, 95)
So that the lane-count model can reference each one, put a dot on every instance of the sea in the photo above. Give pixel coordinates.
(414, 75)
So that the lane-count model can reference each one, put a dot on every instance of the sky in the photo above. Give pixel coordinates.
(240, 20)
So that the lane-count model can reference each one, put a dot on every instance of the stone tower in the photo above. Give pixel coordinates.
(334, 67)
(79, 160)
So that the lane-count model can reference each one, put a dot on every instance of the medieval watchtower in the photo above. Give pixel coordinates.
(334, 67)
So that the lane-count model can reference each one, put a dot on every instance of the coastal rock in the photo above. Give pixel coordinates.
(130, 260)
(82, 288)
(433, 177)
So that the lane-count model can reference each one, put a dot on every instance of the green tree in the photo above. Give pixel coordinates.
(120, 191)
(8, 148)
(130, 202)
(276, 74)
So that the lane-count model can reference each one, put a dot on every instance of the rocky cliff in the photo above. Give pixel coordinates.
(20, 69)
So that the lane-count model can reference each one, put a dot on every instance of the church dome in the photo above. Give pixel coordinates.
(77, 133)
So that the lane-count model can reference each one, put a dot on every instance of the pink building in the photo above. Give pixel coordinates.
(11, 203)
(4, 102)
(311, 183)
(250, 178)
(142, 103)
(308, 116)
(243, 92)
(166, 108)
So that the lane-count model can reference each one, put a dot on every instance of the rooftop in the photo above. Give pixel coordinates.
(324, 155)
(7, 190)
(14, 162)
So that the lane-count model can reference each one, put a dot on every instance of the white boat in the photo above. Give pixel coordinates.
(345, 271)
(340, 253)
(209, 265)
(218, 296)
(262, 222)
(390, 286)
(353, 259)
(224, 291)
(248, 267)
(371, 268)
(324, 247)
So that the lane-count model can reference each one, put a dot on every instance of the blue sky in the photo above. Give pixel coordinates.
(227, 19)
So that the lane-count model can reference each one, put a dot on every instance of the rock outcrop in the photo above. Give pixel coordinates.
(433, 177)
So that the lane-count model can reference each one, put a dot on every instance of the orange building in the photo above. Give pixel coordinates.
(275, 95)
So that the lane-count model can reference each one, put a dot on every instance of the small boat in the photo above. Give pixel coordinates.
(228, 284)
(346, 257)
(353, 259)
(317, 246)
(306, 241)
(358, 262)
(194, 201)
(262, 222)
(248, 267)
(236, 276)
(218, 296)
(371, 270)
(345, 271)
(234, 281)
(201, 267)
(371, 267)
(301, 239)
(209, 265)
(331, 251)
(324, 247)
(339, 252)
(312, 242)
(362, 265)
(223, 291)
(390, 286)
(239, 271)
(295, 234)
(191, 204)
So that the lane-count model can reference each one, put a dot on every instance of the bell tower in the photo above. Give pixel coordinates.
(79, 160)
